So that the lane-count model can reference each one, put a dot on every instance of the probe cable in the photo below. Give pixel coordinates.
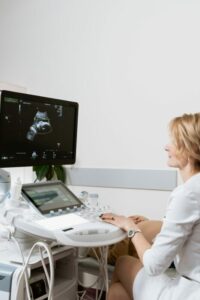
(50, 278)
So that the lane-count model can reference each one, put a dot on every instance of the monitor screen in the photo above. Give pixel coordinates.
(37, 130)
(50, 196)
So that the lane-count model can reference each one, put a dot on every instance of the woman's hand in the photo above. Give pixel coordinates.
(126, 223)
(120, 221)
(137, 218)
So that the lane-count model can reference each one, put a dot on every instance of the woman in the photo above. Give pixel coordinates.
(179, 238)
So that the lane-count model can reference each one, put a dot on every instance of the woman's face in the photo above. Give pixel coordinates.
(174, 160)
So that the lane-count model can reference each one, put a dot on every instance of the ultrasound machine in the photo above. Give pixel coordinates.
(37, 130)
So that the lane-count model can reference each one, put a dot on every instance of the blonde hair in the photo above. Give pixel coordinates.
(185, 132)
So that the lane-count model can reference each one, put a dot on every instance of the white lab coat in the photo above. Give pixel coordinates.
(178, 241)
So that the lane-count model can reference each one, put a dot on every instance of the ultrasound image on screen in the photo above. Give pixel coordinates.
(37, 131)
(47, 197)
(41, 125)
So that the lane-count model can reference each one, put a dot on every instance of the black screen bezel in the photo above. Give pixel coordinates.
(41, 99)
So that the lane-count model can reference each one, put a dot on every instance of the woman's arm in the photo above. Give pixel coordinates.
(140, 242)
(181, 215)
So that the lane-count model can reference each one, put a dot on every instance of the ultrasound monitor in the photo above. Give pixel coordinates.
(37, 130)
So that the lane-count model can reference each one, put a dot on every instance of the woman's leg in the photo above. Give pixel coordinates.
(117, 292)
(124, 275)
(150, 229)
(127, 267)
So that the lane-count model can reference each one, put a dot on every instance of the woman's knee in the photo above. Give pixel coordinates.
(125, 272)
(126, 265)
(150, 228)
(123, 261)
(117, 292)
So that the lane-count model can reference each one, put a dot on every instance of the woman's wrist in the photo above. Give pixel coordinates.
(132, 232)
(130, 226)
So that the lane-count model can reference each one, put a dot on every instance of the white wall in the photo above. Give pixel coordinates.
(131, 65)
